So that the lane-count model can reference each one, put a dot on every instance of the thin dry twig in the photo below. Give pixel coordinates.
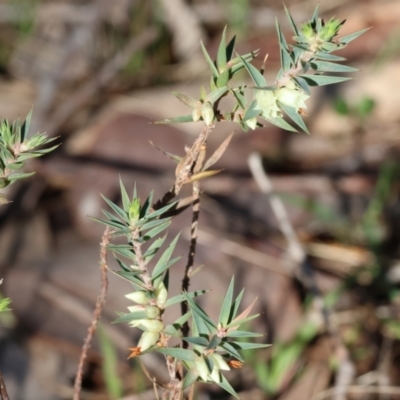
(101, 299)
(83, 95)
(192, 252)
(3, 390)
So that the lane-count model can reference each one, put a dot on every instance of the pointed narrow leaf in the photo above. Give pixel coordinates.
(160, 211)
(294, 116)
(321, 80)
(122, 250)
(224, 384)
(155, 231)
(235, 306)
(157, 278)
(216, 94)
(292, 23)
(209, 61)
(252, 111)
(328, 57)
(153, 249)
(349, 38)
(221, 55)
(108, 223)
(324, 66)
(281, 123)
(180, 354)
(130, 317)
(176, 120)
(227, 304)
(153, 223)
(230, 48)
(124, 195)
(121, 213)
(315, 15)
(196, 309)
(302, 83)
(163, 261)
(243, 334)
(231, 350)
(200, 341)
(190, 378)
(214, 342)
(254, 73)
(145, 209)
(180, 297)
(247, 346)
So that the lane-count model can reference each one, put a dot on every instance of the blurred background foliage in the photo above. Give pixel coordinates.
(98, 72)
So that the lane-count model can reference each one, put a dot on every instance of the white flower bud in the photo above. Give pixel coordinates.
(152, 325)
(207, 113)
(135, 308)
(266, 102)
(252, 123)
(196, 114)
(152, 311)
(292, 97)
(138, 297)
(219, 362)
(161, 295)
(147, 340)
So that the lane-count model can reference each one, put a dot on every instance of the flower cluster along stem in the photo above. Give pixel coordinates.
(294, 71)
(141, 262)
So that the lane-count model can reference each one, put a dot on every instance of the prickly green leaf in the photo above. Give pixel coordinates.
(224, 384)
(324, 66)
(209, 61)
(242, 321)
(230, 48)
(214, 342)
(131, 317)
(124, 195)
(223, 79)
(133, 278)
(235, 306)
(328, 57)
(247, 346)
(254, 73)
(160, 211)
(302, 83)
(176, 120)
(292, 23)
(198, 340)
(118, 210)
(145, 209)
(22, 175)
(227, 304)
(349, 38)
(221, 55)
(123, 250)
(321, 80)
(281, 123)
(190, 378)
(153, 249)
(243, 334)
(174, 329)
(160, 267)
(294, 116)
(180, 354)
(197, 310)
(155, 231)
(252, 111)
(180, 297)
(216, 95)
(231, 350)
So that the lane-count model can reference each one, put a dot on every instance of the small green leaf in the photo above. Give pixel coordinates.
(216, 95)
(328, 57)
(248, 346)
(123, 214)
(230, 48)
(243, 334)
(224, 384)
(153, 249)
(124, 195)
(180, 297)
(180, 354)
(231, 350)
(145, 209)
(199, 341)
(190, 378)
(349, 38)
(158, 229)
(324, 66)
(221, 55)
(281, 123)
(292, 23)
(321, 80)
(294, 116)
(160, 267)
(209, 61)
(176, 120)
(227, 304)
(254, 73)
